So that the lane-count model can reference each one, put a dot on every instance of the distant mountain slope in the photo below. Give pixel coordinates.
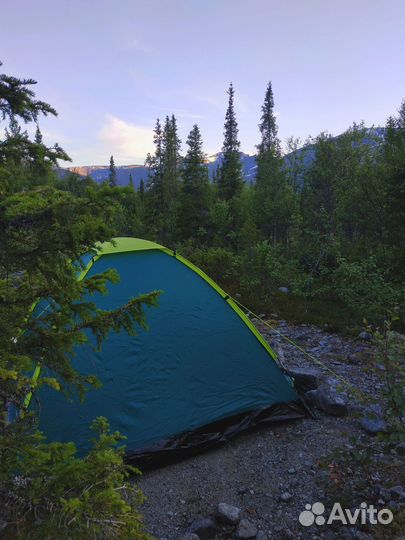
(99, 173)
(306, 155)
(248, 165)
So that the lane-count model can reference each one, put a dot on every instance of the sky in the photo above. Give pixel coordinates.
(110, 68)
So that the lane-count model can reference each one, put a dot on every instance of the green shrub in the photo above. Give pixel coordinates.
(363, 287)
(391, 363)
(57, 494)
(221, 264)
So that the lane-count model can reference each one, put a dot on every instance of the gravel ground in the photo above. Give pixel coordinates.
(255, 469)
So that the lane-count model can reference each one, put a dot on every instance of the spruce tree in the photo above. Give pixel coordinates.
(163, 182)
(112, 174)
(38, 136)
(268, 128)
(154, 163)
(275, 201)
(131, 181)
(171, 159)
(24, 162)
(171, 180)
(141, 189)
(42, 231)
(194, 206)
(230, 181)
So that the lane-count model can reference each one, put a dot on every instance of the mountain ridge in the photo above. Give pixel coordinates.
(100, 173)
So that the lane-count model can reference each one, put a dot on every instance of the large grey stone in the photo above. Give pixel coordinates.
(325, 398)
(305, 378)
(228, 513)
(245, 530)
(205, 528)
(331, 403)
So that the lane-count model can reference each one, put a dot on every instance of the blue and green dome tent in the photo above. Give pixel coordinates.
(199, 375)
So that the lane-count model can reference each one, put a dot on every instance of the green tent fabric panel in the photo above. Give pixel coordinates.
(198, 363)
(125, 244)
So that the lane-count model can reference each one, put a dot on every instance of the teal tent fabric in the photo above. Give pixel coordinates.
(198, 362)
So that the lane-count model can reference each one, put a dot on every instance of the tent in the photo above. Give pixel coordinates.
(200, 374)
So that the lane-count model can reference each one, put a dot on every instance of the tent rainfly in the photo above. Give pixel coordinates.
(201, 374)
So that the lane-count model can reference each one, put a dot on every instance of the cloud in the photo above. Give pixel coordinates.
(127, 142)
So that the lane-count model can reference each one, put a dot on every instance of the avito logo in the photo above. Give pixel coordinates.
(314, 514)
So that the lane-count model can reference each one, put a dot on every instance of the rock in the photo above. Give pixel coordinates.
(305, 378)
(285, 497)
(291, 471)
(245, 530)
(190, 536)
(325, 398)
(373, 426)
(228, 513)
(284, 290)
(261, 535)
(365, 336)
(205, 528)
(373, 419)
(397, 493)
